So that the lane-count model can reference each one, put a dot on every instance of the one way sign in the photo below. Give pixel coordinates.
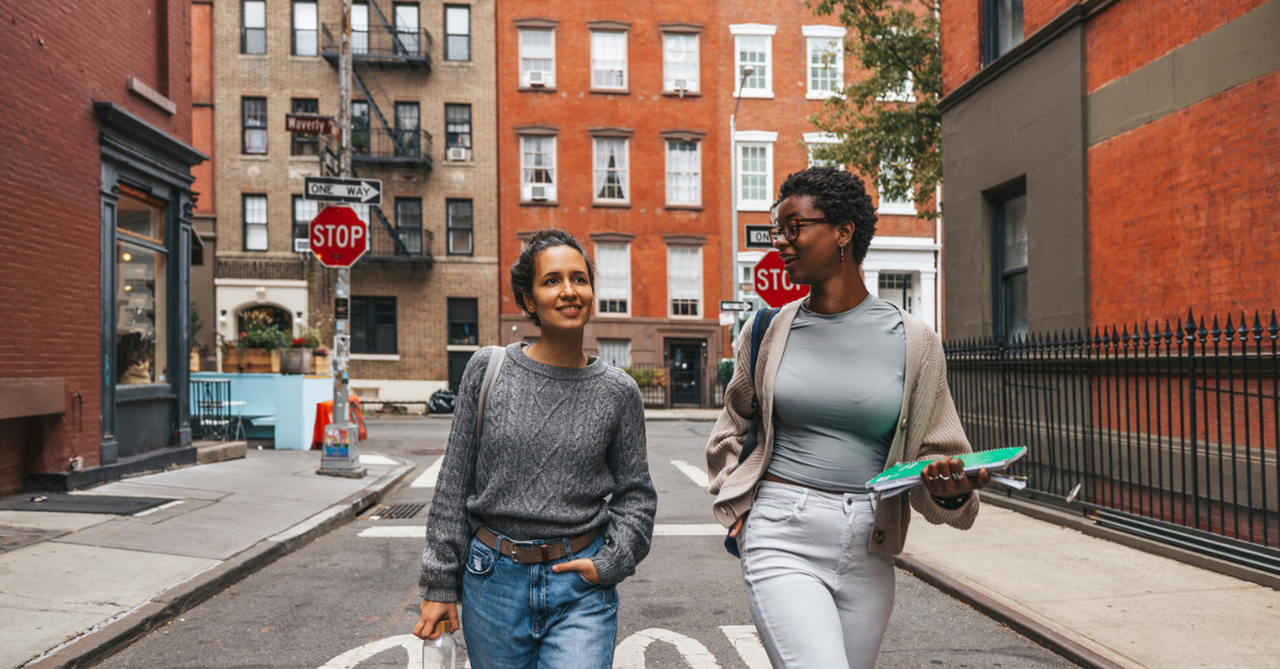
(351, 191)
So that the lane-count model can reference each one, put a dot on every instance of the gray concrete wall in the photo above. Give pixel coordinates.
(1028, 122)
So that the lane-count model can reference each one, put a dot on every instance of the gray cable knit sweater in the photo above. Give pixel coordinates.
(562, 453)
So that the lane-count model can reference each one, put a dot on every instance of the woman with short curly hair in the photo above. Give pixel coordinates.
(846, 385)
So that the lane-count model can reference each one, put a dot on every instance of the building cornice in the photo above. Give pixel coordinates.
(617, 26)
(538, 130)
(534, 22)
(611, 131)
(684, 135)
(678, 27)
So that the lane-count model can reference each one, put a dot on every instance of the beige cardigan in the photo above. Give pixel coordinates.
(928, 428)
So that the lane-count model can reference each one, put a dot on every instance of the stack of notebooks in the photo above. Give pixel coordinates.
(904, 475)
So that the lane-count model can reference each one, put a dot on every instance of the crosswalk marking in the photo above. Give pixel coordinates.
(630, 653)
(427, 479)
(375, 459)
(695, 474)
(746, 641)
(420, 531)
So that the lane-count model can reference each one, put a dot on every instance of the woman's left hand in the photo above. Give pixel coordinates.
(583, 566)
(946, 478)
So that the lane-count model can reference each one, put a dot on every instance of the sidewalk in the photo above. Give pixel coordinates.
(76, 586)
(1099, 602)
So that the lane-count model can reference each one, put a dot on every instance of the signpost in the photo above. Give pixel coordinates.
(347, 191)
(773, 284)
(310, 123)
(758, 237)
(339, 237)
(730, 305)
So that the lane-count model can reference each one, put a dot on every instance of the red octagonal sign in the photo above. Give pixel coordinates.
(339, 237)
(773, 284)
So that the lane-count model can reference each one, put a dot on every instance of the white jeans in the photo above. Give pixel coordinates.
(819, 598)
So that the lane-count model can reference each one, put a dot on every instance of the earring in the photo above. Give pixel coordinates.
(842, 254)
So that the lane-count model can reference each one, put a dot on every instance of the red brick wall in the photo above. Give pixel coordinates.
(1132, 33)
(58, 63)
(1037, 13)
(961, 42)
(1176, 208)
(202, 113)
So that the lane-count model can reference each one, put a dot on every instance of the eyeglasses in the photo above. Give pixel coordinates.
(791, 229)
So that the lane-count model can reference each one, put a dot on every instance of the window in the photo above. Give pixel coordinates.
(537, 58)
(304, 211)
(1009, 223)
(141, 290)
(360, 28)
(616, 352)
(408, 130)
(613, 278)
(409, 226)
(457, 33)
(684, 279)
(755, 171)
(253, 31)
(888, 205)
(611, 183)
(608, 59)
(753, 47)
(457, 126)
(826, 67)
(253, 113)
(459, 227)
(897, 289)
(406, 22)
(304, 29)
(464, 321)
(684, 173)
(680, 62)
(813, 141)
(1003, 27)
(360, 127)
(373, 325)
(255, 222)
(538, 168)
(305, 143)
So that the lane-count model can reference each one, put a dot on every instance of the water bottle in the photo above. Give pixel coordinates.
(441, 652)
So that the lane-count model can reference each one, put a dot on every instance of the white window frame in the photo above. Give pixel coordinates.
(905, 208)
(625, 344)
(668, 79)
(526, 186)
(624, 169)
(626, 252)
(813, 139)
(755, 139)
(549, 76)
(263, 226)
(671, 287)
(753, 30)
(816, 36)
(697, 150)
(626, 79)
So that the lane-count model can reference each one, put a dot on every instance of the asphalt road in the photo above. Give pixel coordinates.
(349, 599)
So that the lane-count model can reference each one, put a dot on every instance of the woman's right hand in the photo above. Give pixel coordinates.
(737, 526)
(431, 614)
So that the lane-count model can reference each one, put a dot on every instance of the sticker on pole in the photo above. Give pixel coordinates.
(339, 237)
(337, 443)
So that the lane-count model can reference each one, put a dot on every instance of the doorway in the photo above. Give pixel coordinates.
(685, 369)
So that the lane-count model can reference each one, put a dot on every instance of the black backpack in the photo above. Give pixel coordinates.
(763, 318)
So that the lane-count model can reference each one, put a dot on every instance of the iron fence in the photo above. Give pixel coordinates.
(1169, 432)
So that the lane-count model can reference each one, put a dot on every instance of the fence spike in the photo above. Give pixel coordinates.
(1168, 334)
(1244, 329)
(1146, 336)
(1202, 334)
(1190, 327)
(1257, 327)
(1115, 335)
(1216, 331)
(1230, 332)
(1274, 328)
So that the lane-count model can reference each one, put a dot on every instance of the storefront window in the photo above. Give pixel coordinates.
(141, 291)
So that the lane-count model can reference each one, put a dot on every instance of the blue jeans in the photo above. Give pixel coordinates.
(525, 616)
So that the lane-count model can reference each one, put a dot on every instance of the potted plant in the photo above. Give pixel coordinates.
(320, 362)
(256, 350)
(297, 358)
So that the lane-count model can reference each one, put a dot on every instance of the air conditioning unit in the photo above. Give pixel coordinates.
(537, 78)
(681, 85)
(538, 193)
(301, 245)
(458, 153)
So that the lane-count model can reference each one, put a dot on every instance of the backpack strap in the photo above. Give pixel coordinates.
(496, 356)
(763, 318)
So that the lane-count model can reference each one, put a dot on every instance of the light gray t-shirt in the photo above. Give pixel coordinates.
(837, 396)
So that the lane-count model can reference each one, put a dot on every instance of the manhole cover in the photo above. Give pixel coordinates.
(394, 511)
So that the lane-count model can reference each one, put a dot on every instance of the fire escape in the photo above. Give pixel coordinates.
(379, 143)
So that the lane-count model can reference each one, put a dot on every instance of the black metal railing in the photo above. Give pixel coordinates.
(389, 242)
(381, 45)
(1166, 430)
(391, 146)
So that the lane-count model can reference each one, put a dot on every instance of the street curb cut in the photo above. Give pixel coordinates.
(999, 612)
(138, 622)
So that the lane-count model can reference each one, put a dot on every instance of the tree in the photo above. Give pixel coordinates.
(887, 121)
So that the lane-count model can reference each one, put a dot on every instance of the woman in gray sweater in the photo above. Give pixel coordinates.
(538, 517)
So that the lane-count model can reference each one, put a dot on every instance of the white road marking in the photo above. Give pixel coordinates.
(747, 642)
(427, 479)
(355, 656)
(168, 505)
(630, 653)
(373, 459)
(395, 532)
(698, 476)
(420, 531)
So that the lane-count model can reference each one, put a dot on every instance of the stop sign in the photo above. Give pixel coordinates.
(339, 237)
(773, 284)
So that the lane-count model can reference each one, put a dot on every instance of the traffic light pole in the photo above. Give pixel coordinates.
(342, 437)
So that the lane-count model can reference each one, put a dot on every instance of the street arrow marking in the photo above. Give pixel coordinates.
(630, 653)
(698, 476)
(746, 641)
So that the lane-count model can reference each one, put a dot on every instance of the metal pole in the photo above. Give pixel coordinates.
(342, 437)
(733, 206)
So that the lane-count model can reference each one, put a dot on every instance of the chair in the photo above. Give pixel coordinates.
(212, 398)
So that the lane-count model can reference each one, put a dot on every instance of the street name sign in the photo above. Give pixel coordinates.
(758, 237)
(773, 284)
(339, 237)
(310, 123)
(349, 191)
(730, 305)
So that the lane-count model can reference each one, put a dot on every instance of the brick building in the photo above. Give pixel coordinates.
(1108, 161)
(615, 126)
(423, 118)
(97, 201)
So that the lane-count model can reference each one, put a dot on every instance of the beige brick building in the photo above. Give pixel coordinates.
(424, 296)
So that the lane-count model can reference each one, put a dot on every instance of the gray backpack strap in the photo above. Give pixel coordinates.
(498, 354)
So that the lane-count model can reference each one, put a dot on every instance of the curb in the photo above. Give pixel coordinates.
(132, 625)
(1003, 614)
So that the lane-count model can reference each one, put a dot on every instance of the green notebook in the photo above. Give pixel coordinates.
(907, 474)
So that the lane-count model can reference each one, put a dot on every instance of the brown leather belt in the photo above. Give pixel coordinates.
(533, 551)
(779, 479)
